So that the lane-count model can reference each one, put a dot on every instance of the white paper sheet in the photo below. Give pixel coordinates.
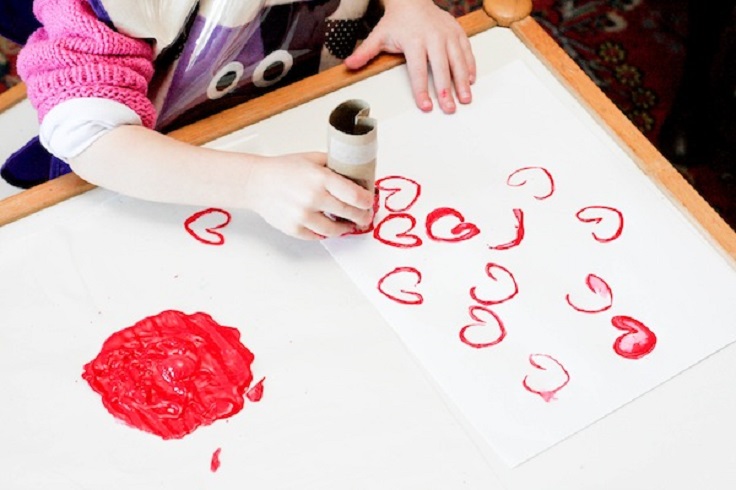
(344, 406)
(573, 272)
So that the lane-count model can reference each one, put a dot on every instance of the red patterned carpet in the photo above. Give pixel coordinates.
(634, 50)
(8, 52)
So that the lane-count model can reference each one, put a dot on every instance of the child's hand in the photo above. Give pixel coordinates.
(426, 35)
(294, 193)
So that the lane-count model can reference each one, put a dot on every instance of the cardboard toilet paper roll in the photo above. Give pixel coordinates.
(352, 143)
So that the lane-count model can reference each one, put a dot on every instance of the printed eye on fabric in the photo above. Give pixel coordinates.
(227, 61)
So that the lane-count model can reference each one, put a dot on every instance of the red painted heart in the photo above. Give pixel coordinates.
(486, 330)
(608, 218)
(551, 381)
(203, 225)
(516, 179)
(602, 292)
(503, 287)
(637, 342)
(395, 230)
(520, 231)
(394, 286)
(400, 192)
(459, 231)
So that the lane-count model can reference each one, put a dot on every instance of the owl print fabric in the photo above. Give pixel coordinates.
(222, 52)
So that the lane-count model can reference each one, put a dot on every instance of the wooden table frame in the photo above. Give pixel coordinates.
(512, 14)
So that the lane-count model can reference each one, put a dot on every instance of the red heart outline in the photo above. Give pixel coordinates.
(479, 322)
(595, 218)
(520, 232)
(598, 287)
(547, 395)
(382, 185)
(462, 231)
(637, 342)
(219, 237)
(413, 240)
(519, 183)
(415, 298)
(489, 272)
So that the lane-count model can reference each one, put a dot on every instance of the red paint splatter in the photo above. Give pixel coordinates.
(637, 342)
(490, 328)
(599, 214)
(461, 231)
(209, 234)
(601, 289)
(409, 297)
(557, 371)
(256, 392)
(519, 215)
(402, 192)
(516, 180)
(215, 461)
(512, 286)
(402, 238)
(171, 373)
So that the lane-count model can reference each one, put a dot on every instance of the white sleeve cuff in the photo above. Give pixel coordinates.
(70, 127)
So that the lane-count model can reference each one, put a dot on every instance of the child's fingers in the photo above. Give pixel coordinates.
(442, 77)
(467, 51)
(416, 65)
(460, 72)
(341, 211)
(368, 49)
(348, 192)
(304, 233)
(322, 226)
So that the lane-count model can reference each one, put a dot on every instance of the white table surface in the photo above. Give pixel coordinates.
(337, 412)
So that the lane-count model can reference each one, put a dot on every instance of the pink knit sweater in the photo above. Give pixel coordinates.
(75, 55)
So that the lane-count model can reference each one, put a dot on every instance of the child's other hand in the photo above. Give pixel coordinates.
(427, 35)
(295, 193)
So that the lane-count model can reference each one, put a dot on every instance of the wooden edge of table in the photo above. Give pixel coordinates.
(514, 13)
(12, 96)
(642, 151)
(53, 192)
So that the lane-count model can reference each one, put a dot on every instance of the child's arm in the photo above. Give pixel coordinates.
(427, 35)
(291, 192)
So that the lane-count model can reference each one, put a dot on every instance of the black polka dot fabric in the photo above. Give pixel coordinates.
(341, 37)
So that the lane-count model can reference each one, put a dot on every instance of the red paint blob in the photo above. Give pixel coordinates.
(215, 462)
(171, 373)
(256, 392)
(637, 342)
